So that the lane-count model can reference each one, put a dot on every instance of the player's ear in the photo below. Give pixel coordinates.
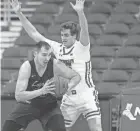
(35, 53)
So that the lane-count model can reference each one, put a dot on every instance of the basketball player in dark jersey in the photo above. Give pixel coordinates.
(35, 92)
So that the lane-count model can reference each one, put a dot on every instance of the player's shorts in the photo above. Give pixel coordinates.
(24, 113)
(76, 104)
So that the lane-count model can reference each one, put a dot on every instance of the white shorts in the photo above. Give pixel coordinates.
(74, 105)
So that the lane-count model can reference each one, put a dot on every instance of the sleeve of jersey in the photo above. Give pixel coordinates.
(55, 45)
(82, 47)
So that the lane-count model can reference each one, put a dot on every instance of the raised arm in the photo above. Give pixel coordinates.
(84, 34)
(65, 72)
(30, 29)
(21, 94)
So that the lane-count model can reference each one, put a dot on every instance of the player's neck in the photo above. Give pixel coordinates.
(71, 45)
(39, 66)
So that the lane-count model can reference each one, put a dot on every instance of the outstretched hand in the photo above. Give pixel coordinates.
(79, 6)
(16, 5)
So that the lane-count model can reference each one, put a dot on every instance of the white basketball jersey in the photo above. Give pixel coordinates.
(76, 57)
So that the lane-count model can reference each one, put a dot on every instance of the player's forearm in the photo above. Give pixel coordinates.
(30, 29)
(24, 96)
(74, 81)
(82, 20)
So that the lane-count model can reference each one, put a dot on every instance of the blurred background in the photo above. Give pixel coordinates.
(114, 28)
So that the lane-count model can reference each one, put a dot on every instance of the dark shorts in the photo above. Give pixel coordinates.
(24, 113)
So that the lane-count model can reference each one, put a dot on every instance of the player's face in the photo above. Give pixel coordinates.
(43, 56)
(67, 39)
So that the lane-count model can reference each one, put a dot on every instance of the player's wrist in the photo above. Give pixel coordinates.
(80, 11)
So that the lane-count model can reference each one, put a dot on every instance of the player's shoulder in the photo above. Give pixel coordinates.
(25, 66)
(79, 45)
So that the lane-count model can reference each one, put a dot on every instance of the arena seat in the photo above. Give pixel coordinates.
(67, 8)
(133, 40)
(133, 85)
(11, 63)
(99, 63)
(5, 76)
(66, 17)
(135, 29)
(95, 77)
(133, 52)
(54, 37)
(131, 1)
(115, 76)
(109, 40)
(94, 29)
(25, 40)
(40, 28)
(100, 8)
(108, 88)
(123, 18)
(127, 8)
(48, 8)
(135, 76)
(116, 28)
(54, 1)
(54, 29)
(97, 18)
(41, 19)
(9, 89)
(97, 51)
(16, 52)
(124, 64)
(112, 2)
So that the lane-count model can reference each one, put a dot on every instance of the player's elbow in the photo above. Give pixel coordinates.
(34, 35)
(18, 97)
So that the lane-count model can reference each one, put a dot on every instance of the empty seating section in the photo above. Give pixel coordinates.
(109, 40)
(97, 18)
(99, 63)
(124, 64)
(98, 51)
(132, 1)
(66, 17)
(135, 30)
(133, 52)
(127, 8)
(115, 76)
(116, 28)
(123, 18)
(114, 31)
(133, 40)
(11, 63)
(94, 29)
(48, 9)
(41, 19)
(102, 8)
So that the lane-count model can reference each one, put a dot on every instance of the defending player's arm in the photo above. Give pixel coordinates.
(65, 72)
(30, 29)
(21, 94)
(84, 34)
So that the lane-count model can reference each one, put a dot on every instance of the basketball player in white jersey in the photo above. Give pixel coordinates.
(83, 99)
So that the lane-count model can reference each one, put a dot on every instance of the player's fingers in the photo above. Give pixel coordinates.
(50, 83)
(72, 4)
(51, 89)
(52, 93)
